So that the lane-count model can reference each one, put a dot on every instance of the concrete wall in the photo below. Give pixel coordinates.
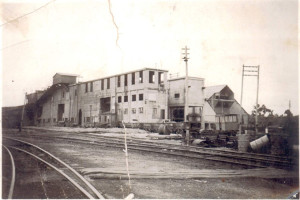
(77, 98)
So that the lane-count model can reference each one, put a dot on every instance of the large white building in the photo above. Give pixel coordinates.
(143, 96)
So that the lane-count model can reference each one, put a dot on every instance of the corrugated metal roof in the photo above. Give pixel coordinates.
(211, 90)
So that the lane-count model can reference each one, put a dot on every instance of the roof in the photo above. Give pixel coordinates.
(211, 90)
(129, 72)
(51, 90)
(183, 77)
(65, 74)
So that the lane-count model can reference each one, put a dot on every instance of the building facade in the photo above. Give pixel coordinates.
(141, 96)
(137, 96)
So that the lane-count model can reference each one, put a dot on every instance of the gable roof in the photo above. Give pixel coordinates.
(65, 74)
(211, 90)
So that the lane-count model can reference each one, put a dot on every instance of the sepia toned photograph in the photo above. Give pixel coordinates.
(152, 99)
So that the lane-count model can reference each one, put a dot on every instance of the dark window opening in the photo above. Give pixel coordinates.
(119, 81)
(102, 84)
(133, 97)
(63, 94)
(86, 88)
(119, 99)
(105, 104)
(160, 77)
(151, 77)
(75, 92)
(133, 78)
(91, 87)
(108, 83)
(177, 95)
(125, 80)
(141, 97)
(125, 98)
(141, 77)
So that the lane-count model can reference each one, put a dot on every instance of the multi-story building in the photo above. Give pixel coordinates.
(144, 96)
(133, 96)
(195, 99)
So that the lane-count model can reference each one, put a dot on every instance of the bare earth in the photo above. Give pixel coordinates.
(166, 177)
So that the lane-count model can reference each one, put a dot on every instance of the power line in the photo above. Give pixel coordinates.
(24, 15)
(16, 44)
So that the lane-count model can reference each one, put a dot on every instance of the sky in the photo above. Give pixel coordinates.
(98, 38)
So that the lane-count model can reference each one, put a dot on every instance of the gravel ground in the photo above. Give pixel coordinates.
(168, 177)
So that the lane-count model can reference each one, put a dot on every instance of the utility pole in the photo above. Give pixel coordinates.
(185, 58)
(252, 71)
(22, 117)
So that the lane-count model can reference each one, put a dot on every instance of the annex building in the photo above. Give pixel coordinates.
(140, 96)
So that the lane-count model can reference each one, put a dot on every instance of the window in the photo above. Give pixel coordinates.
(154, 111)
(49, 120)
(75, 92)
(133, 110)
(63, 94)
(108, 83)
(125, 80)
(54, 119)
(177, 95)
(119, 99)
(91, 87)
(126, 111)
(119, 81)
(86, 87)
(151, 77)
(133, 98)
(141, 110)
(160, 77)
(66, 119)
(102, 84)
(125, 98)
(141, 97)
(72, 119)
(88, 119)
(133, 78)
(141, 77)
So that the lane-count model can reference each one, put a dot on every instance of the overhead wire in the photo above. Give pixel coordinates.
(26, 14)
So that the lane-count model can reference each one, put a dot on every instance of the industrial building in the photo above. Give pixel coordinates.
(141, 96)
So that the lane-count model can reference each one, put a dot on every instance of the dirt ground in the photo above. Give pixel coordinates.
(168, 177)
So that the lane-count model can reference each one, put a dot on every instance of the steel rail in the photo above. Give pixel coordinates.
(58, 170)
(201, 155)
(13, 176)
(65, 164)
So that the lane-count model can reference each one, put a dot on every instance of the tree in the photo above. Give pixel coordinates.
(262, 111)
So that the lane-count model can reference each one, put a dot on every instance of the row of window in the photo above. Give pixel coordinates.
(48, 120)
(133, 98)
(133, 81)
(133, 110)
(227, 118)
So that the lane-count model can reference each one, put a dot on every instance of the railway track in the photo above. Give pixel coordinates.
(217, 155)
(56, 164)
(13, 174)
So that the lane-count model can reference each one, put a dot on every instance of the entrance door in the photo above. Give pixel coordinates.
(162, 113)
(79, 117)
(60, 112)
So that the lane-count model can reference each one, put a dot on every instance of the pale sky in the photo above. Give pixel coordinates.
(79, 37)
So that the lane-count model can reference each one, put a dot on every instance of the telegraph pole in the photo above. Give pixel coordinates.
(185, 58)
(252, 71)
(22, 116)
